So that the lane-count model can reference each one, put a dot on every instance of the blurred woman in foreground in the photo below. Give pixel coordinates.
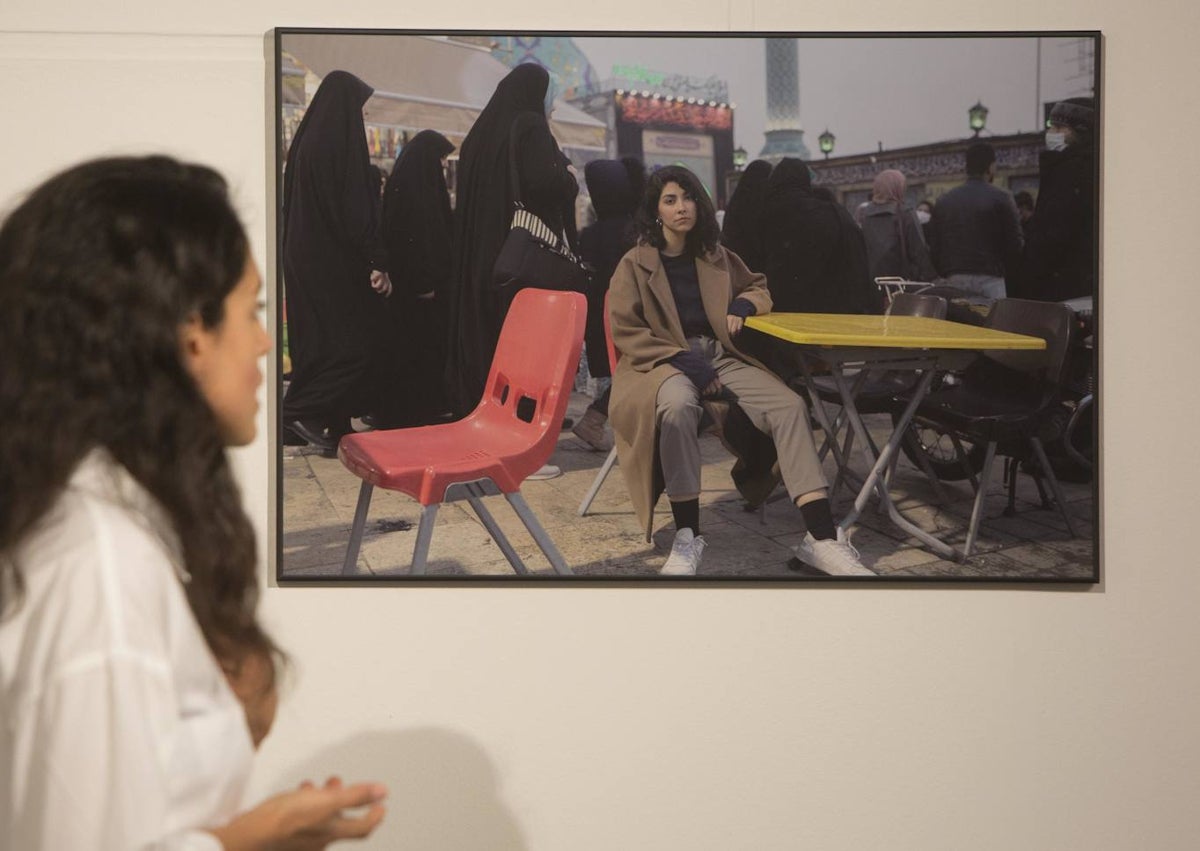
(129, 350)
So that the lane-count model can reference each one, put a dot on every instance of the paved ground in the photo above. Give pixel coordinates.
(320, 496)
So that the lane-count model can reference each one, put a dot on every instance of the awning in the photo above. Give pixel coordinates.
(423, 82)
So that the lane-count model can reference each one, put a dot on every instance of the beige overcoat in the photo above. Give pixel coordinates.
(647, 332)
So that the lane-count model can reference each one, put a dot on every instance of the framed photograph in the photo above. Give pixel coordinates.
(584, 307)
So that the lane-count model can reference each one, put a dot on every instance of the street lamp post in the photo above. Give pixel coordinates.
(739, 158)
(977, 117)
(826, 140)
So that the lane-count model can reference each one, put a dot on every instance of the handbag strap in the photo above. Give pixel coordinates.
(514, 181)
(904, 261)
(522, 217)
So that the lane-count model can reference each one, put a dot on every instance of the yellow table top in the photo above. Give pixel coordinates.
(896, 332)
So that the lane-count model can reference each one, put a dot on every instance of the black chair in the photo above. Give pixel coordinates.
(877, 393)
(1007, 400)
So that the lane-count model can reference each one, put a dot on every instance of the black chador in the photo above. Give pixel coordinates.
(330, 246)
(482, 214)
(418, 233)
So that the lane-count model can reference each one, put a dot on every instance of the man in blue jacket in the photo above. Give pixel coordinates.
(975, 230)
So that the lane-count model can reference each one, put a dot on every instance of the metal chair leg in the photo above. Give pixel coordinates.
(598, 482)
(539, 534)
(985, 476)
(1055, 485)
(356, 529)
(424, 534)
(493, 529)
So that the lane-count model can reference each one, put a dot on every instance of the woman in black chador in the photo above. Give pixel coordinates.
(741, 231)
(515, 115)
(332, 260)
(615, 187)
(816, 261)
(417, 232)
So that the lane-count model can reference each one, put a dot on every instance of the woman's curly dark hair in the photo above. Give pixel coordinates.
(704, 235)
(99, 268)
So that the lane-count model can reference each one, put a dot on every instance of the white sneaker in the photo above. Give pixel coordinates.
(546, 471)
(835, 557)
(686, 552)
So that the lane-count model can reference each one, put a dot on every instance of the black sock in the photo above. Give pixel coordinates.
(819, 519)
(687, 514)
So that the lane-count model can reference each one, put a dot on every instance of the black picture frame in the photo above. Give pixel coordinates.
(307, 551)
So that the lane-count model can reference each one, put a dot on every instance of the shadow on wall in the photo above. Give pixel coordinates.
(442, 789)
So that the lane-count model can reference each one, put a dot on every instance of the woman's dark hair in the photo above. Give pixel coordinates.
(99, 268)
(703, 237)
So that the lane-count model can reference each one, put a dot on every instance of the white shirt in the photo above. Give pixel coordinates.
(117, 728)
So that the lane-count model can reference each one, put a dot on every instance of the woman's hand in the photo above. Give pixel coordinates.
(713, 389)
(381, 283)
(735, 324)
(307, 819)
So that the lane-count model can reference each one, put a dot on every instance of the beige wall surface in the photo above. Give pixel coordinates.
(715, 719)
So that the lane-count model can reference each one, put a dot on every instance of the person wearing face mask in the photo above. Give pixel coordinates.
(1059, 262)
(975, 231)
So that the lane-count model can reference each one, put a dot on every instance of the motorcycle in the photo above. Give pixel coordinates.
(1070, 436)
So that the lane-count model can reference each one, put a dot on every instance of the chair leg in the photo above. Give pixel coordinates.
(539, 534)
(961, 454)
(493, 529)
(356, 529)
(424, 535)
(1055, 486)
(598, 482)
(985, 476)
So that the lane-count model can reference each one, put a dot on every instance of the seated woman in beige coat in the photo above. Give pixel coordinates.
(676, 302)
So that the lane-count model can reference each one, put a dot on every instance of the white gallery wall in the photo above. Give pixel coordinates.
(713, 719)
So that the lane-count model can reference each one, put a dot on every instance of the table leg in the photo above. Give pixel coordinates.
(880, 464)
(818, 408)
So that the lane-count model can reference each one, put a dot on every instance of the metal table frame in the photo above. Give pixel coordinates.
(870, 343)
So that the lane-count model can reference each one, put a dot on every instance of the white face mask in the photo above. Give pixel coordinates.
(923, 217)
(1055, 141)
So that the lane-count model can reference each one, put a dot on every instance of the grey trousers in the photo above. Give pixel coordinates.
(771, 406)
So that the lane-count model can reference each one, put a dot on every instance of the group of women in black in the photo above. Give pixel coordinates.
(377, 290)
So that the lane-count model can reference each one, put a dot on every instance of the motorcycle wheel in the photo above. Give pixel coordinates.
(931, 441)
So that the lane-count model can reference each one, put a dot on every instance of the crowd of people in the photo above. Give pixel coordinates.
(394, 310)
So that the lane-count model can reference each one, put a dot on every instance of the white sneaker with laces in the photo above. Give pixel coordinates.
(686, 552)
(837, 557)
(546, 471)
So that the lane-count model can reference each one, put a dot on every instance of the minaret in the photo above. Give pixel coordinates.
(785, 138)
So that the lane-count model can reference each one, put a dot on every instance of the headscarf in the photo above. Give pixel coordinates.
(332, 132)
(889, 187)
(741, 231)
(610, 188)
(416, 210)
(791, 174)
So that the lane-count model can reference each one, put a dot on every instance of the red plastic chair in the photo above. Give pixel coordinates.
(607, 466)
(510, 434)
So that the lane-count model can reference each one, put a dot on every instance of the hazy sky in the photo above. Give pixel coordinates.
(898, 91)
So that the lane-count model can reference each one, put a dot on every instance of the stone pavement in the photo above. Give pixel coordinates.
(320, 496)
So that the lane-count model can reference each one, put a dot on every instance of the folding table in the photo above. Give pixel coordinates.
(862, 344)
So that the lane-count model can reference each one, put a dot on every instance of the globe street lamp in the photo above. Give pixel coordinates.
(826, 140)
(977, 117)
(739, 158)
